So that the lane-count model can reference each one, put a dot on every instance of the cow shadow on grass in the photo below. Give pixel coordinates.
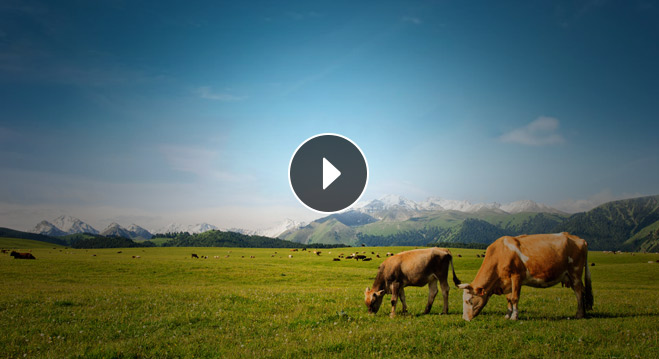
(533, 316)
(558, 317)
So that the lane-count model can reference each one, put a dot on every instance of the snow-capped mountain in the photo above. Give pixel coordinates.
(282, 227)
(387, 202)
(48, 229)
(393, 202)
(272, 232)
(193, 228)
(528, 206)
(72, 225)
(201, 228)
(138, 231)
(63, 225)
(114, 229)
(133, 231)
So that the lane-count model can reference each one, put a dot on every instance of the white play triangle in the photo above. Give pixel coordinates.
(330, 173)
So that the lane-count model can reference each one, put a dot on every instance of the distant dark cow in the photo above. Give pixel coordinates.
(336, 259)
(411, 268)
(360, 256)
(367, 259)
(5, 251)
(294, 250)
(459, 255)
(539, 260)
(17, 255)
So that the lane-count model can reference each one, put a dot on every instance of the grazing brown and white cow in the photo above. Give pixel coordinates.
(17, 255)
(411, 268)
(539, 260)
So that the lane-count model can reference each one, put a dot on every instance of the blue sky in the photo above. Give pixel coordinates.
(158, 112)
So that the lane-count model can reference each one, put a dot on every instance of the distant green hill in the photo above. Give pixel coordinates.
(624, 225)
(646, 240)
(215, 238)
(326, 230)
(11, 233)
(21, 243)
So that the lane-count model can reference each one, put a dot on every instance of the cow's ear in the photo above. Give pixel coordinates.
(380, 292)
(464, 286)
(480, 291)
(366, 290)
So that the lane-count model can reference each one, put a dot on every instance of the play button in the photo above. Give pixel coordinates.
(328, 173)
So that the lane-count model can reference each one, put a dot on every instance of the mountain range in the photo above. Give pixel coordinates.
(631, 224)
(67, 225)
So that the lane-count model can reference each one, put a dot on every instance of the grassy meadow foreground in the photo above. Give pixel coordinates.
(69, 303)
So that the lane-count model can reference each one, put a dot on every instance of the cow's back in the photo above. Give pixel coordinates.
(413, 267)
(546, 258)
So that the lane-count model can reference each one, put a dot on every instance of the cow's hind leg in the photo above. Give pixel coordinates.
(578, 288)
(432, 292)
(445, 288)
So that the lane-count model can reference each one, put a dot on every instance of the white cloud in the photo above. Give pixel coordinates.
(207, 93)
(201, 162)
(412, 20)
(540, 132)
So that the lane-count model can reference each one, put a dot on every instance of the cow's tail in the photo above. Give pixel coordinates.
(455, 278)
(588, 292)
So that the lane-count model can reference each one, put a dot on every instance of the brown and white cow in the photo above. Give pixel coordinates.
(539, 260)
(411, 268)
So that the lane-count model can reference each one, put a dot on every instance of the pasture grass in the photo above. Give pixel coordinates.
(69, 303)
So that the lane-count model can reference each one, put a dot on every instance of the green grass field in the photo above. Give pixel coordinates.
(69, 303)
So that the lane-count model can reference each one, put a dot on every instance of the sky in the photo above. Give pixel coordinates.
(158, 112)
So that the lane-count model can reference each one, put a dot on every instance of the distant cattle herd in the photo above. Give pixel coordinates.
(509, 263)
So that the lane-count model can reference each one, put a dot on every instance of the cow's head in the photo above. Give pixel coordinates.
(373, 299)
(473, 301)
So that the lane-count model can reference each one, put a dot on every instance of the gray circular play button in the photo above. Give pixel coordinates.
(328, 173)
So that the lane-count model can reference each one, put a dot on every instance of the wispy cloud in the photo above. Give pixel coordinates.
(199, 161)
(207, 93)
(412, 20)
(303, 15)
(540, 132)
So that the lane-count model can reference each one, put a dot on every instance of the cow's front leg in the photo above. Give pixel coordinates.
(577, 286)
(510, 306)
(516, 285)
(432, 292)
(402, 300)
(394, 298)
